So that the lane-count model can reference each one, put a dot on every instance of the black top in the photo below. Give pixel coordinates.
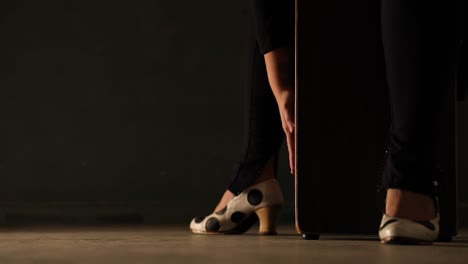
(274, 23)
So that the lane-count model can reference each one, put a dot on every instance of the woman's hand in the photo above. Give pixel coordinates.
(286, 108)
(280, 70)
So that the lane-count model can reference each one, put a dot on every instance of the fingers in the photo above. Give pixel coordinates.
(287, 120)
(291, 151)
(286, 109)
(288, 127)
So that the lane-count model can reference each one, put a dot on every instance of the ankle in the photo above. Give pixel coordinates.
(227, 196)
(262, 179)
(409, 205)
(267, 173)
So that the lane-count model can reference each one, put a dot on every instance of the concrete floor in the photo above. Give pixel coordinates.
(147, 244)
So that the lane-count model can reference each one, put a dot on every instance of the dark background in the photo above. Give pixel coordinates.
(118, 111)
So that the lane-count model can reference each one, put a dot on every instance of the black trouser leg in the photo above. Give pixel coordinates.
(420, 41)
(263, 133)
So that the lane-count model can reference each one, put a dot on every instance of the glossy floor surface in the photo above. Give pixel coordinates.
(163, 244)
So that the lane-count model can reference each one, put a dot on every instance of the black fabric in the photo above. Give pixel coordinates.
(462, 73)
(273, 23)
(420, 43)
(271, 26)
(263, 132)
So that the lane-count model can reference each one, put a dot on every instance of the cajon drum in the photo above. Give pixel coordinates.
(342, 122)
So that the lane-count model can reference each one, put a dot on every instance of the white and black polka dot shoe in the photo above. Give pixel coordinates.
(261, 201)
(394, 230)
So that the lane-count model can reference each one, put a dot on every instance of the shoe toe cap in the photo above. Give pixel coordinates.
(197, 223)
(408, 229)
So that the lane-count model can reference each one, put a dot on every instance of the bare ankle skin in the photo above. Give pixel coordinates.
(227, 196)
(267, 173)
(409, 205)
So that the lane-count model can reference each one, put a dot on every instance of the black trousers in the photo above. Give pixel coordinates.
(271, 26)
(420, 43)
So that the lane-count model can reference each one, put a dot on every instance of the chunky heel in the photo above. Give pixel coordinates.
(268, 217)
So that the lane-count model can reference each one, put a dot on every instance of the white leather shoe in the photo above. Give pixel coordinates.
(261, 201)
(394, 230)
